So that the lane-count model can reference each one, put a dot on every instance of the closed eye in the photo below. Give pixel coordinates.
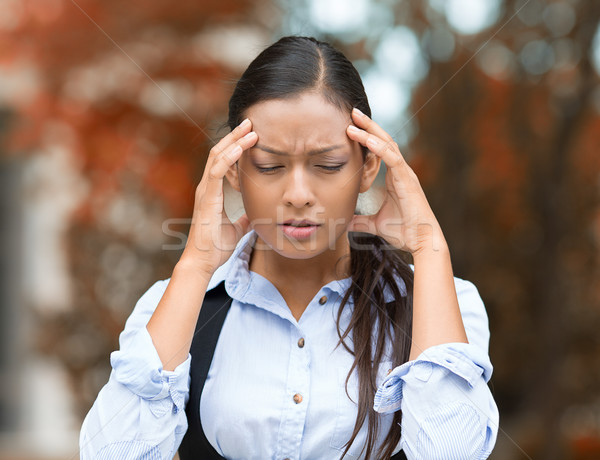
(273, 169)
(267, 170)
(331, 168)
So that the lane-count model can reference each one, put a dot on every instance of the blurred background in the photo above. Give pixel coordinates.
(108, 110)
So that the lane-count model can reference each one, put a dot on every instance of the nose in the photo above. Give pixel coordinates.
(298, 190)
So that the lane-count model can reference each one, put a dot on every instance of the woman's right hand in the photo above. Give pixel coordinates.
(213, 237)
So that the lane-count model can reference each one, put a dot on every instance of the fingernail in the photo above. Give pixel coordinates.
(250, 135)
(358, 112)
(245, 123)
(353, 129)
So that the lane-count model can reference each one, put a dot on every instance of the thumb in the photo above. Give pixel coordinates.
(364, 224)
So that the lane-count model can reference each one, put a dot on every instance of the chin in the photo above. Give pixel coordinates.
(296, 249)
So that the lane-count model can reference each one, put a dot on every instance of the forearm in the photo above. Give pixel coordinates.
(436, 314)
(173, 323)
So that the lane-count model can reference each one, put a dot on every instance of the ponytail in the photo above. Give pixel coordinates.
(375, 267)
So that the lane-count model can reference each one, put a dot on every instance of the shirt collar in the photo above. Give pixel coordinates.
(238, 277)
(236, 265)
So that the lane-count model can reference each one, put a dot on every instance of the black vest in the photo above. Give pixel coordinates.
(194, 445)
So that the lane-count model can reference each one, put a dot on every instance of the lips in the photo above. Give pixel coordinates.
(299, 229)
(300, 223)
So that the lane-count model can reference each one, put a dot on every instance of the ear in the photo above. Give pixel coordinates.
(370, 170)
(233, 176)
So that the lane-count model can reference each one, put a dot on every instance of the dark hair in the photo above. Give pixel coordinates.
(285, 69)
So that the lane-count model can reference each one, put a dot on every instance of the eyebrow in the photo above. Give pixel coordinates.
(309, 153)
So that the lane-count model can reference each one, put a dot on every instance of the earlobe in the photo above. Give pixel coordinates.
(370, 170)
(233, 177)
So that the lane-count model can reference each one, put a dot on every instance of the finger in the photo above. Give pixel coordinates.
(387, 150)
(221, 164)
(236, 134)
(363, 121)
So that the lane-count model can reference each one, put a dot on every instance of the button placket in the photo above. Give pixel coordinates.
(300, 374)
(298, 385)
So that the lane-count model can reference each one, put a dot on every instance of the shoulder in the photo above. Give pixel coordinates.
(147, 303)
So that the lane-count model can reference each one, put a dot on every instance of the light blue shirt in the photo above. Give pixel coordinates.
(267, 397)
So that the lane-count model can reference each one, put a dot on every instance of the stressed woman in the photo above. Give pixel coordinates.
(331, 345)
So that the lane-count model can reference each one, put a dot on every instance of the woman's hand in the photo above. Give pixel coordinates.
(405, 219)
(213, 237)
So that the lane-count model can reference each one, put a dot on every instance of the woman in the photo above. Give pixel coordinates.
(332, 345)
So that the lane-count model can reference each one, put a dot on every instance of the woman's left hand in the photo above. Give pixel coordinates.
(405, 219)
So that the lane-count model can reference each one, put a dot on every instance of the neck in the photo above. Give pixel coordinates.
(289, 274)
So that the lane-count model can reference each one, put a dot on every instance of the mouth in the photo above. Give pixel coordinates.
(300, 223)
(299, 229)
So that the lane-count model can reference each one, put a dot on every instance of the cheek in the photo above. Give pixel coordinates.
(349, 183)
(257, 197)
(341, 195)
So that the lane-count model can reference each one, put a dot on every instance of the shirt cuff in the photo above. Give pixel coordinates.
(138, 367)
(462, 359)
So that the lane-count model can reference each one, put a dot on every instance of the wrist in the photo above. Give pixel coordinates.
(194, 268)
(427, 253)
(431, 241)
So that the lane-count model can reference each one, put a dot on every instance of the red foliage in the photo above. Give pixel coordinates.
(125, 88)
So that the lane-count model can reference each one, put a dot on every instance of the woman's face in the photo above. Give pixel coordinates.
(300, 182)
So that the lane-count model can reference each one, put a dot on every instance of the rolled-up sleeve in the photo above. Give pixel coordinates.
(448, 411)
(140, 412)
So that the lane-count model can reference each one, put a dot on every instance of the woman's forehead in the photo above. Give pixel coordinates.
(308, 121)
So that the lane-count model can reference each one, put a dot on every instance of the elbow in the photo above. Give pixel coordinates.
(457, 431)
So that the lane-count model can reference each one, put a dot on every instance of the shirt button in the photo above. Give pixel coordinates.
(297, 398)
(301, 342)
(389, 371)
(322, 300)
